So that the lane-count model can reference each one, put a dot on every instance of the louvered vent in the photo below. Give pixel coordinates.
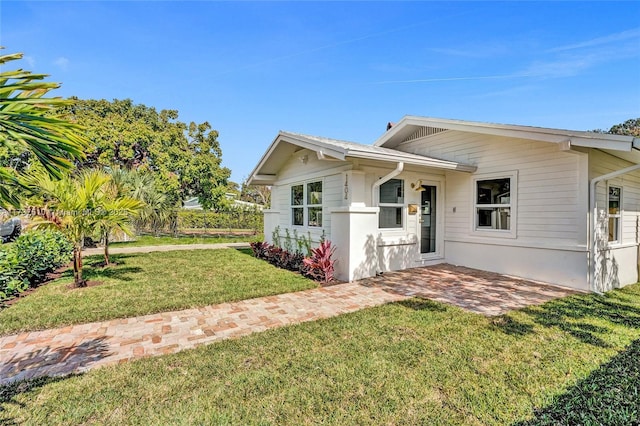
(423, 132)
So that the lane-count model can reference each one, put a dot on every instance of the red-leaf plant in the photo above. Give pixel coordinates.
(320, 265)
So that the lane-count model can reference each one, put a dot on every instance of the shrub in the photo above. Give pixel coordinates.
(320, 266)
(28, 260)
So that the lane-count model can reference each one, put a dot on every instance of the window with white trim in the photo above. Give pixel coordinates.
(614, 213)
(494, 204)
(391, 203)
(306, 204)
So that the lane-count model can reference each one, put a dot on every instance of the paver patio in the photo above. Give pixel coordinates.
(477, 291)
(78, 348)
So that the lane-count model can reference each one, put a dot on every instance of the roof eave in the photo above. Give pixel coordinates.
(438, 164)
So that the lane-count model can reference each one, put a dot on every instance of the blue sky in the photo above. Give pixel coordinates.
(339, 69)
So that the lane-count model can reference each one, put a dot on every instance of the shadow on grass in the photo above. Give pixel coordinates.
(575, 314)
(119, 273)
(52, 361)
(610, 395)
(9, 392)
(245, 250)
(419, 304)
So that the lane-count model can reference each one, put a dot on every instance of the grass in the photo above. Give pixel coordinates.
(151, 240)
(147, 283)
(570, 361)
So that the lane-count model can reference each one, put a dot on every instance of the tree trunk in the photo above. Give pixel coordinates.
(77, 267)
(106, 248)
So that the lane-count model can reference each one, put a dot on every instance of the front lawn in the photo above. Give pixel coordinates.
(570, 361)
(151, 240)
(147, 283)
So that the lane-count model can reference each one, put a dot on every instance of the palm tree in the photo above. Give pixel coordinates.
(27, 121)
(80, 205)
(116, 213)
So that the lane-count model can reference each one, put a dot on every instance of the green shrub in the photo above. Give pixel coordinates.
(232, 219)
(27, 261)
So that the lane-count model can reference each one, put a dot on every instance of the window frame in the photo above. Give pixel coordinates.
(401, 206)
(616, 216)
(512, 205)
(305, 205)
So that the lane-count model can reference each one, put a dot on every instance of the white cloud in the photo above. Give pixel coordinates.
(62, 63)
(611, 38)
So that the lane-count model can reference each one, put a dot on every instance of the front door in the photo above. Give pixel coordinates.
(428, 211)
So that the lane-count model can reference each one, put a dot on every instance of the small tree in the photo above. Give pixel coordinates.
(80, 205)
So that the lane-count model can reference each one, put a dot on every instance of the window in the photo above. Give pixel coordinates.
(391, 203)
(615, 196)
(493, 204)
(306, 203)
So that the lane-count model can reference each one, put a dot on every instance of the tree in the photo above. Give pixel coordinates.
(29, 123)
(259, 194)
(77, 205)
(630, 127)
(115, 214)
(184, 160)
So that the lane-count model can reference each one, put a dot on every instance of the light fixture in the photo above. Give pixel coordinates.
(417, 185)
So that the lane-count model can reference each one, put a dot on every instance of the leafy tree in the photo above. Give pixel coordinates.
(259, 194)
(630, 127)
(30, 125)
(185, 160)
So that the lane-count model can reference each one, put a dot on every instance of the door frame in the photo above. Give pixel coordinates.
(439, 253)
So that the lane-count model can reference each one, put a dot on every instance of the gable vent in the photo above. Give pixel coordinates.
(424, 132)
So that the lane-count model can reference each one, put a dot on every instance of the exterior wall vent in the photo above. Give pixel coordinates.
(424, 131)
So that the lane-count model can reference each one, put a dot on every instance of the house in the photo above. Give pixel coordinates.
(551, 205)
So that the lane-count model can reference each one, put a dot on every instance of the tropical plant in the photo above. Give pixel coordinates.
(320, 266)
(28, 122)
(79, 205)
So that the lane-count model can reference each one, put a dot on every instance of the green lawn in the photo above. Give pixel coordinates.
(570, 361)
(150, 240)
(146, 283)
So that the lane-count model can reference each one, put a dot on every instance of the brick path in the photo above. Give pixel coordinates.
(82, 347)
(79, 348)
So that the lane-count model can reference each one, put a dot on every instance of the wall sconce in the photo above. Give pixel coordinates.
(417, 185)
(304, 159)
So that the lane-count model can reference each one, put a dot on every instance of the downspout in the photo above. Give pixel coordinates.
(399, 168)
(594, 218)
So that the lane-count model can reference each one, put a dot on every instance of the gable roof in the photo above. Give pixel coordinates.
(287, 143)
(425, 126)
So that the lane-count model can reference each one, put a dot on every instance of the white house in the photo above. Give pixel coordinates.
(552, 205)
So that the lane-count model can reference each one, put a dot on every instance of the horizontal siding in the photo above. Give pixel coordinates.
(601, 163)
(295, 172)
(548, 183)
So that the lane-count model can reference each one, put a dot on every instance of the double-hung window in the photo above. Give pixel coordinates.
(391, 203)
(615, 198)
(306, 204)
(494, 204)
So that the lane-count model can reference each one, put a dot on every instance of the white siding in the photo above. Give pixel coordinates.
(601, 163)
(548, 186)
(295, 171)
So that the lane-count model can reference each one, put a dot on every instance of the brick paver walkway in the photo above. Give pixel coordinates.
(477, 291)
(82, 347)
